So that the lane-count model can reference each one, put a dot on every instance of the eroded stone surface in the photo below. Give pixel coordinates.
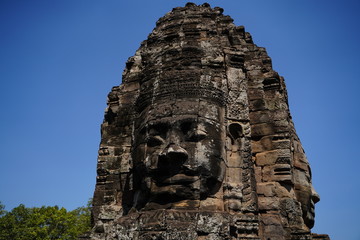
(198, 141)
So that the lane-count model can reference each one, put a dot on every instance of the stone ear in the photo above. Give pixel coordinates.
(235, 131)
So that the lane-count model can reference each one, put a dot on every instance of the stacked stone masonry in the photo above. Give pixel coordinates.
(198, 141)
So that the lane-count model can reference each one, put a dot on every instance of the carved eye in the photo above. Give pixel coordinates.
(158, 130)
(153, 141)
(186, 127)
(196, 135)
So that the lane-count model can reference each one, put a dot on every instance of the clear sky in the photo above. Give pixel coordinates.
(60, 58)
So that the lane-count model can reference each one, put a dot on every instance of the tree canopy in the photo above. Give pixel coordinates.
(43, 223)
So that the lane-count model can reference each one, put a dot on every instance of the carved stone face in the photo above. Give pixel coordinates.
(179, 157)
(306, 195)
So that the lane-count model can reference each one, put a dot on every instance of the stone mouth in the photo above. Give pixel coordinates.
(179, 179)
(175, 175)
(312, 208)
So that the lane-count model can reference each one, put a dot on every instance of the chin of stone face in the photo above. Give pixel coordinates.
(198, 142)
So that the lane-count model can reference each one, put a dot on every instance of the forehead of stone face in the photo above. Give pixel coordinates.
(202, 107)
(302, 177)
(182, 107)
(184, 123)
(160, 109)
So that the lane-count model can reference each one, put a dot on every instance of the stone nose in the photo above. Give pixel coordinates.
(174, 153)
(315, 197)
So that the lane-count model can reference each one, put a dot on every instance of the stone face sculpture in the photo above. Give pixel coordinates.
(178, 156)
(198, 141)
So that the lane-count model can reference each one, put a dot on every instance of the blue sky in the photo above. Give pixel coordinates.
(59, 59)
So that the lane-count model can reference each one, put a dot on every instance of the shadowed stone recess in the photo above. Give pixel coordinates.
(198, 142)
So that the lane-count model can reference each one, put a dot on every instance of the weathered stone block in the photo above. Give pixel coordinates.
(272, 157)
(265, 189)
(268, 203)
(211, 222)
(277, 173)
(271, 219)
(265, 144)
(262, 129)
(212, 204)
(267, 158)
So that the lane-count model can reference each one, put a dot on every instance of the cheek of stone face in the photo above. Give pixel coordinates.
(303, 195)
(302, 187)
(303, 191)
(208, 153)
(211, 167)
(301, 178)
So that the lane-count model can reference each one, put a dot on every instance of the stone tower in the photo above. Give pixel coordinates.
(198, 141)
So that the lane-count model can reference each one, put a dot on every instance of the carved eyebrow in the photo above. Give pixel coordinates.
(153, 141)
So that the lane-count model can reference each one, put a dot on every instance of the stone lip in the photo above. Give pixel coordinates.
(316, 236)
(180, 179)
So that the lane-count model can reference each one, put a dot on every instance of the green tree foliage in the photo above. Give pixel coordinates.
(44, 223)
(2, 209)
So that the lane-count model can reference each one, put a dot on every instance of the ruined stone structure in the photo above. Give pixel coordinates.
(198, 141)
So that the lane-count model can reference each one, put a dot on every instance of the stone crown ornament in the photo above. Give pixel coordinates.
(198, 141)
